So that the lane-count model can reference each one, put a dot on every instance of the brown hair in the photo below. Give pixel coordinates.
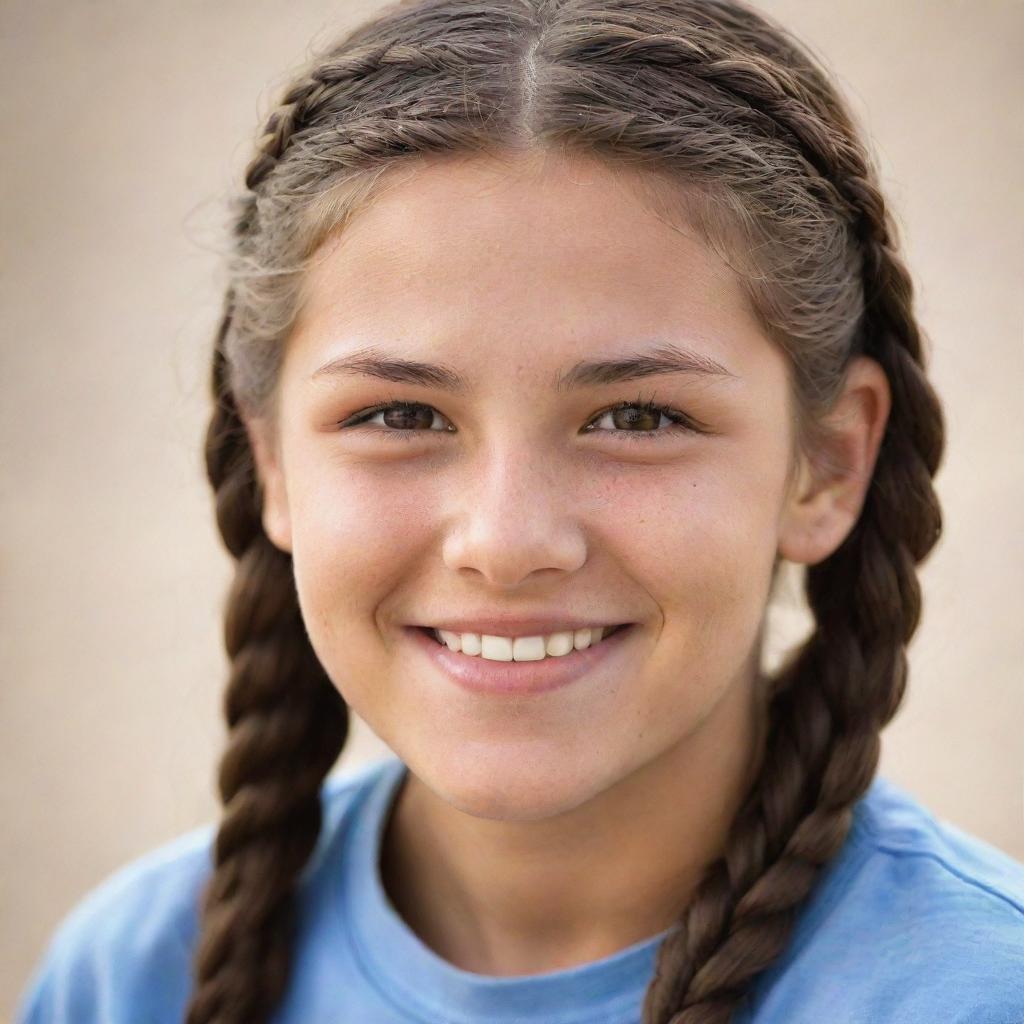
(740, 126)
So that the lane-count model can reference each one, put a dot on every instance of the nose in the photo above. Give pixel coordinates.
(516, 518)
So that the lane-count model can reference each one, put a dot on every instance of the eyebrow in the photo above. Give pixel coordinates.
(371, 362)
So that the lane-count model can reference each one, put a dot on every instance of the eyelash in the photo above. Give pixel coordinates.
(679, 421)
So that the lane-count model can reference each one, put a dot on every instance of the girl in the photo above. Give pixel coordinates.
(625, 268)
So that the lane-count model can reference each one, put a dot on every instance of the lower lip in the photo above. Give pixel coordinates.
(520, 677)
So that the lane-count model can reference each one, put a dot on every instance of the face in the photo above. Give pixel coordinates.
(514, 496)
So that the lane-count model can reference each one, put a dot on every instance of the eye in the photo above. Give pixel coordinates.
(399, 418)
(646, 412)
(402, 419)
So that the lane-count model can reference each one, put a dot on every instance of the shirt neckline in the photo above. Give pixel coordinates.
(409, 974)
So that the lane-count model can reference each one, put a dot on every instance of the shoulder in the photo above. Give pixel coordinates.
(949, 905)
(946, 883)
(916, 920)
(125, 942)
(123, 953)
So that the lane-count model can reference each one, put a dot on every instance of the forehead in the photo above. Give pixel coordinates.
(550, 252)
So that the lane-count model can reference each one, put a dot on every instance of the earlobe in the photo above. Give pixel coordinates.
(829, 494)
(814, 522)
(275, 513)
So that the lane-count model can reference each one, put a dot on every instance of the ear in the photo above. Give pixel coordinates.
(826, 500)
(263, 440)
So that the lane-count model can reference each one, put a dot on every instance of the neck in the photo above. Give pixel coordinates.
(508, 898)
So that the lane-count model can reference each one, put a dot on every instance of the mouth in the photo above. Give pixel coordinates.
(599, 662)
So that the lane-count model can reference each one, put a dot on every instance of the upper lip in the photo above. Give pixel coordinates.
(516, 626)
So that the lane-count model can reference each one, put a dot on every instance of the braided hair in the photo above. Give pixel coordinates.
(747, 131)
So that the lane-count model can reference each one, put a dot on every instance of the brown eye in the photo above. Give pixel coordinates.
(397, 418)
(639, 418)
(642, 421)
(402, 418)
(634, 420)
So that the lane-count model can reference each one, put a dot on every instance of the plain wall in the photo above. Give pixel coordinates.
(126, 126)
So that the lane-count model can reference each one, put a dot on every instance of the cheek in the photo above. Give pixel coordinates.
(354, 541)
(693, 537)
(701, 544)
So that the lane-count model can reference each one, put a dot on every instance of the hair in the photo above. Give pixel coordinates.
(724, 116)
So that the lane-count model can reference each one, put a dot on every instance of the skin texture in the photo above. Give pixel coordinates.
(536, 833)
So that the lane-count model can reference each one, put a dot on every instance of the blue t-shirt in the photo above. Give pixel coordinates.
(914, 922)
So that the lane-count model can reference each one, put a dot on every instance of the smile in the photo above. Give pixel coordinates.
(511, 677)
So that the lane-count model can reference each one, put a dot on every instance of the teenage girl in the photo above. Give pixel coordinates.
(625, 268)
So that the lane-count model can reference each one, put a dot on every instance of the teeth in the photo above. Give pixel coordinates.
(522, 648)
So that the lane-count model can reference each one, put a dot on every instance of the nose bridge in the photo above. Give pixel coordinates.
(515, 514)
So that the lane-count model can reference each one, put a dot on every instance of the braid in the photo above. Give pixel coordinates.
(337, 82)
(300, 104)
(287, 725)
(834, 695)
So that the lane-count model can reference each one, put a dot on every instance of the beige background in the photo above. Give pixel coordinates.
(125, 125)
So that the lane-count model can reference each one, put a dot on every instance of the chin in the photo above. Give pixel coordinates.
(501, 786)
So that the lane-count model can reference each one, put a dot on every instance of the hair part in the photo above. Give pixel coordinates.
(723, 124)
